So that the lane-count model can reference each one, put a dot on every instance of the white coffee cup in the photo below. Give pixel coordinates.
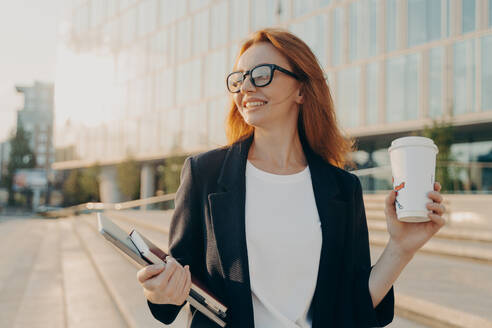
(413, 166)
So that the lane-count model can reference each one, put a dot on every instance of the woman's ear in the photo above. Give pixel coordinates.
(300, 97)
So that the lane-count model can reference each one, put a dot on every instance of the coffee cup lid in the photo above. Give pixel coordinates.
(412, 141)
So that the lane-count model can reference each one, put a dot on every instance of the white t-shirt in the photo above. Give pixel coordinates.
(283, 237)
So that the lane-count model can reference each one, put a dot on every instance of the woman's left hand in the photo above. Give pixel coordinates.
(410, 237)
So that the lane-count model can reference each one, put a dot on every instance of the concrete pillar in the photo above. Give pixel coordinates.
(147, 185)
(108, 185)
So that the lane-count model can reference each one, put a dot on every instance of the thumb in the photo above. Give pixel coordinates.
(149, 271)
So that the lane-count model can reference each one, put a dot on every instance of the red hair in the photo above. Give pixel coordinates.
(317, 121)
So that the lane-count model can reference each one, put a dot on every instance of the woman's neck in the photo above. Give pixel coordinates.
(277, 151)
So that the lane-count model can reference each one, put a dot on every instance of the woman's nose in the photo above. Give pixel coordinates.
(247, 85)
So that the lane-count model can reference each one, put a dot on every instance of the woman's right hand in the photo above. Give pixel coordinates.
(165, 284)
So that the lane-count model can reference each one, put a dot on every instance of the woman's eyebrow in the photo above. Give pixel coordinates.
(243, 70)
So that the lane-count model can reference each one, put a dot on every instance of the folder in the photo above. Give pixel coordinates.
(144, 252)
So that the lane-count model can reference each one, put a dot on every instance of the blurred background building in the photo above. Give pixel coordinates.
(37, 118)
(145, 79)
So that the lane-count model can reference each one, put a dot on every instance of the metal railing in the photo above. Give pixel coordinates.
(97, 206)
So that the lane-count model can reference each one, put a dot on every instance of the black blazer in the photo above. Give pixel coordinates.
(208, 232)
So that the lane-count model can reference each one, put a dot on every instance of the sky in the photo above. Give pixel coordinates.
(28, 36)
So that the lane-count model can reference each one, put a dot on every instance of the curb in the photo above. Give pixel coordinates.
(435, 315)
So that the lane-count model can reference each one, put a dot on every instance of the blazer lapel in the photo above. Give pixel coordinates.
(228, 221)
(333, 212)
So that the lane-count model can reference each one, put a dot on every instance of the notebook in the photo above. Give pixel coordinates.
(144, 252)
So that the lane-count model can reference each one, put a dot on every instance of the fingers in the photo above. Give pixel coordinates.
(439, 220)
(437, 186)
(149, 272)
(184, 291)
(171, 267)
(175, 286)
(436, 207)
(435, 196)
(187, 285)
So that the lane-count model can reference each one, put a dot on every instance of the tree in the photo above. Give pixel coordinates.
(169, 174)
(21, 157)
(442, 134)
(81, 186)
(128, 175)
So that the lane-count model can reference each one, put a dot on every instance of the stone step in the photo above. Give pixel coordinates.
(88, 302)
(42, 303)
(466, 250)
(441, 291)
(22, 244)
(445, 232)
(118, 274)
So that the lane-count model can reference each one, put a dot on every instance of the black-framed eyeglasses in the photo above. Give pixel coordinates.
(261, 76)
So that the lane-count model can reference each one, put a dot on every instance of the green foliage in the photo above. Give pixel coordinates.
(128, 176)
(169, 174)
(81, 186)
(442, 134)
(21, 157)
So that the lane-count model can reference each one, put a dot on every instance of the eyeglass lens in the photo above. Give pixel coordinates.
(260, 75)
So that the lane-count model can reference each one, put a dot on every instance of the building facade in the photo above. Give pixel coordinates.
(4, 159)
(146, 78)
(37, 118)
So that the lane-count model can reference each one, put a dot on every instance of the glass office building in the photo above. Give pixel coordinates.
(146, 78)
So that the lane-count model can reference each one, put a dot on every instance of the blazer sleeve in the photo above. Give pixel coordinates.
(185, 238)
(365, 313)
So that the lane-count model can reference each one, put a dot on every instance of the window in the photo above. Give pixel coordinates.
(468, 15)
(372, 98)
(464, 77)
(402, 96)
(391, 25)
(424, 21)
(337, 51)
(172, 127)
(195, 127)
(238, 24)
(325, 2)
(165, 89)
(448, 17)
(490, 12)
(486, 73)
(41, 148)
(184, 39)
(262, 14)
(355, 30)
(302, 7)
(196, 4)
(312, 31)
(128, 26)
(363, 29)
(374, 18)
(171, 10)
(215, 73)
(217, 112)
(218, 33)
(158, 50)
(147, 17)
(347, 104)
(188, 81)
(435, 82)
(200, 32)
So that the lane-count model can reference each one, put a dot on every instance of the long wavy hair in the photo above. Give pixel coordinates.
(317, 120)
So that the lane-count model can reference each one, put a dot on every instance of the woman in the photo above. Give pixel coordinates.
(271, 223)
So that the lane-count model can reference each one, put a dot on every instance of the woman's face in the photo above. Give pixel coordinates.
(274, 104)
